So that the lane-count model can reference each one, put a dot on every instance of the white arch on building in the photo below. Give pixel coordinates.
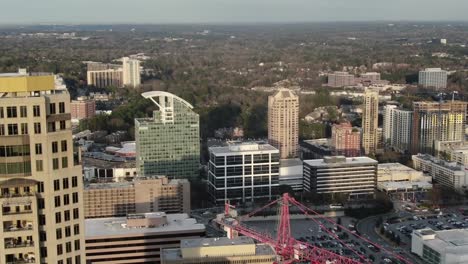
(165, 102)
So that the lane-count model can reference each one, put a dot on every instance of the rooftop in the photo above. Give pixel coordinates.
(332, 161)
(238, 147)
(115, 226)
(403, 185)
(290, 162)
(448, 165)
(215, 242)
(453, 241)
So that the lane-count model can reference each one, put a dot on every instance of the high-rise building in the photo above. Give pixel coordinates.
(283, 122)
(341, 79)
(433, 78)
(83, 108)
(131, 72)
(143, 195)
(397, 128)
(346, 140)
(356, 177)
(370, 119)
(41, 184)
(168, 143)
(243, 172)
(437, 121)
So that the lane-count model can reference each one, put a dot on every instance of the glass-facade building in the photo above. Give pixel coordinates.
(243, 172)
(168, 144)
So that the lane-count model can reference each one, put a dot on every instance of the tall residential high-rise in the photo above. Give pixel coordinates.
(437, 121)
(397, 128)
(283, 122)
(41, 184)
(433, 77)
(168, 143)
(370, 119)
(346, 140)
(131, 72)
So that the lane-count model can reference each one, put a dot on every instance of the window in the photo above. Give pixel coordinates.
(11, 112)
(39, 165)
(63, 144)
(69, 260)
(77, 245)
(58, 233)
(77, 259)
(58, 218)
(76, 229)
(36, 111)
(23, 111)
(75, 197)
(59, 249)
(66, 215)
(40, 187)
(76, 213)
(24, 128)
(63, 125)
(64, 162)
(37, 128)
(57, 201)
(51, 127)
(67, 231)
(61, 107)
(65, 183)
(2, 115)
(43, 252)
(60, 262)
(66, 199)
(74, 181)
(12, 129)
(54, 147)
(2, 129)
(42, 236)
(38, 148)
(55, 164)
(52, 109)
(56, 185)
(42, 220)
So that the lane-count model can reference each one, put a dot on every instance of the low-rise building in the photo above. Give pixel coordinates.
(82, 108)
(441, 247)
(138, 238)
(291, 174)
(346, 140)
(341, 79)
(401, 181)
(140, 196)
(356, 177)
(220, 250)
(315, 148)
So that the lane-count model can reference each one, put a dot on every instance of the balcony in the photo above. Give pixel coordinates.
(15, 195)
(21, 261)
(17, 212)
(16, 244)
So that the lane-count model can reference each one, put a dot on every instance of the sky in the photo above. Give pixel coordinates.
(227, 11)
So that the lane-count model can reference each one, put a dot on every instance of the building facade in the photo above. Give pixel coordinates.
(433, 78)
(40, 175)
(104, 74)
(397, 128)
(437, 121)
(243, 172)
(283, 122)
(341, 79)
(137, 238)
(83, 108)
(356, 177)
(105, 78)
(346, 140)
(440, 247)
(131, 72)
(168, 143)
(143, 195)
(370, 121)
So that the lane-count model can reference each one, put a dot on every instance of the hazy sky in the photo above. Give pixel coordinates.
(227, 11)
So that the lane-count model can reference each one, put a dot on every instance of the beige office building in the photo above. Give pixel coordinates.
(283, 122)
(138, 238)
(370, 119)
(131, 72)
(40, 178)
(140, 196)
(104, 75)
(220, 250)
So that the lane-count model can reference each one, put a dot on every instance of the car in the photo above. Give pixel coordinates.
(336, 206)
(387, 260)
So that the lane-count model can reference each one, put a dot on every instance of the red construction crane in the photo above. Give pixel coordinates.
(288, 249)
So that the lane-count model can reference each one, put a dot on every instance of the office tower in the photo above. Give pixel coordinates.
(131, 72)
(437, 121)
(168, 143)
(219, 250)
(346, 140)
(433, 78)
(137, 238)
(356, 177)
(397, 128)
(283, 122)
(243, 172)
(83, 108)
(143, 195)
(370, 119)
(40, 176)
(341, 79)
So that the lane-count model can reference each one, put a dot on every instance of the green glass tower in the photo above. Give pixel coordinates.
(168, 143)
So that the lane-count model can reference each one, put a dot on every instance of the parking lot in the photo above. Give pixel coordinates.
(310, 232)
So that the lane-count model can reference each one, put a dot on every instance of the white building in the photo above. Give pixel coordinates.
(449, 174)
(354, 176)
(398, 178)
(441, 247)
(243, 172)
(131, 72)
(433, 77)
(397, 128)
(291, 174)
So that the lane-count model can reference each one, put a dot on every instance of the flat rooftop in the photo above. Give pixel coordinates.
(114, 226)
(454, 166)
(215, 242)
(395, 167)
(403, 185)
(336, 161)
(453, 241)
(243, 147)
(290, 162)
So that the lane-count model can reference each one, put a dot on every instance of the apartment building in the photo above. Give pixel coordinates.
(82, 108)
(40, 175)
(433, 78)
(397, 128)
(346, 140)
(370, 120)
(104, 74)
(341, 79)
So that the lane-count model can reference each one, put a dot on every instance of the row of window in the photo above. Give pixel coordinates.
(12, 111)
(246, 159)
(22, 129)
(43, 252)
(244, 170)
(14, 151)
(65, 183)
(66, 199)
